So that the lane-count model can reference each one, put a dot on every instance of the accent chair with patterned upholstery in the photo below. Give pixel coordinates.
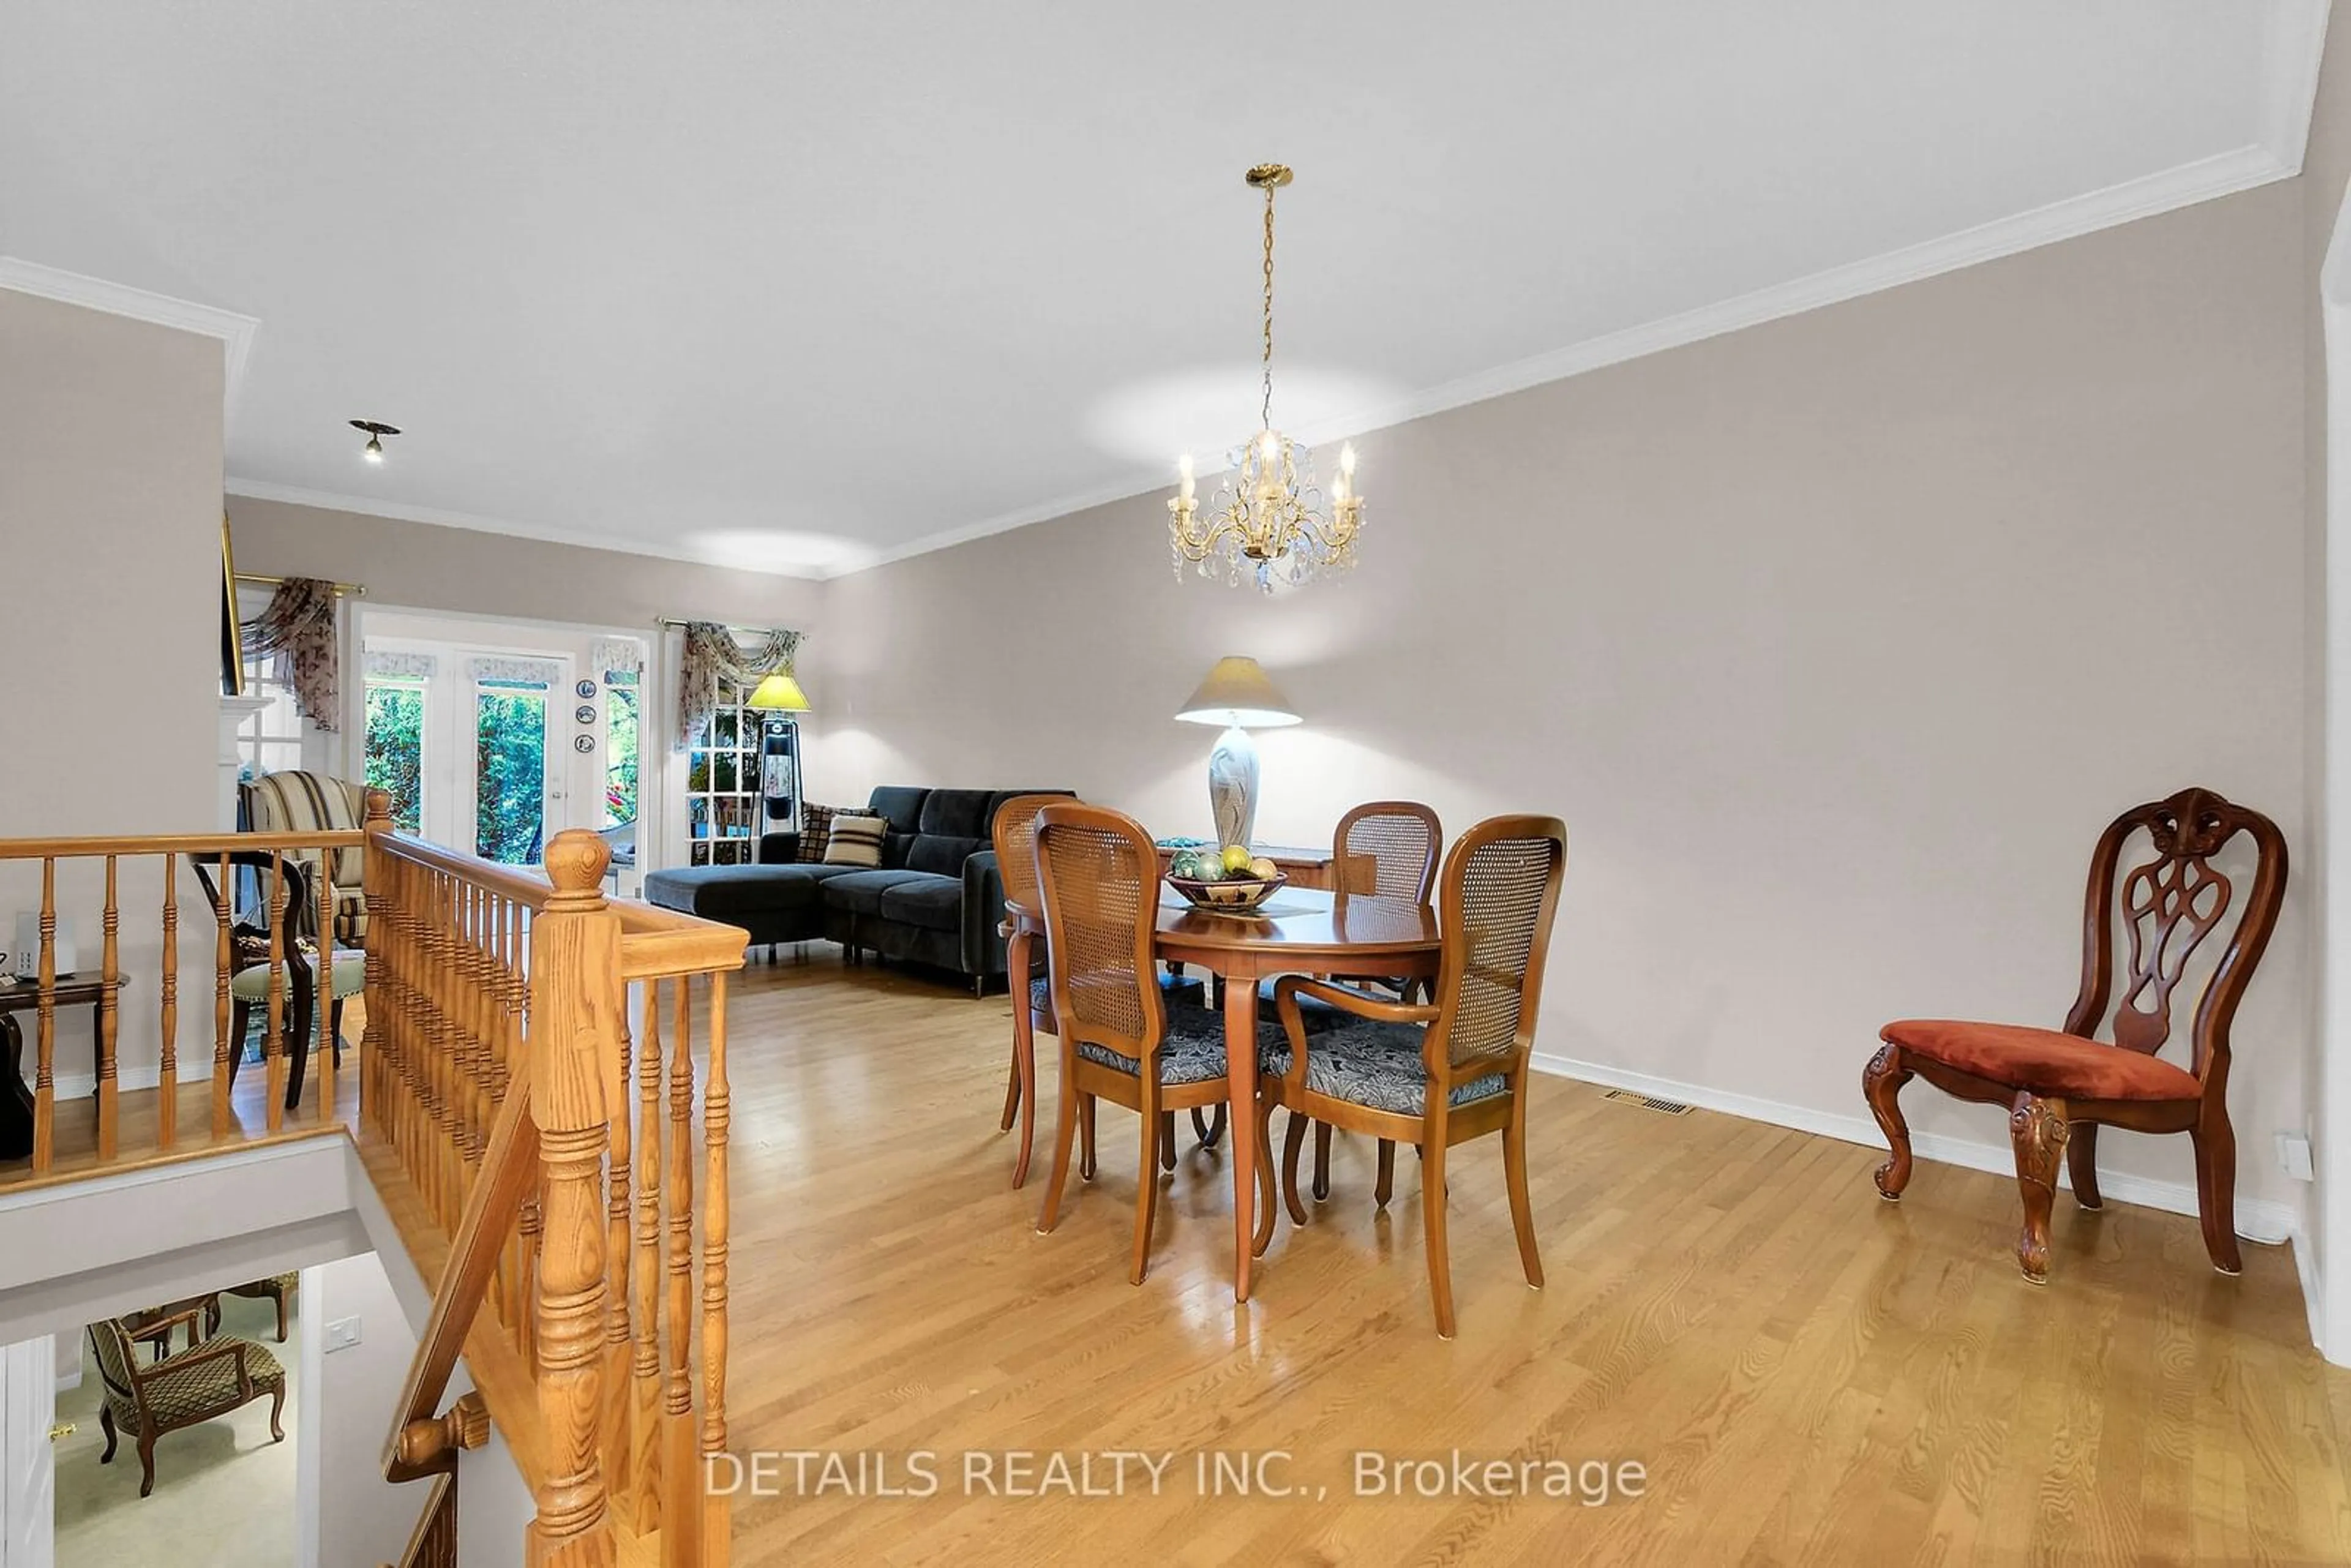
(184, 1390)
(1444, 1074)
(294, 802)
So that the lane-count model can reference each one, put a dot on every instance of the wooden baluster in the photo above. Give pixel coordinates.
(323, 986)
(167, 1104)
(223, 959)
(45, 1027)
(273, 1044)
(110, 971)
(681, 1515)
(619, 1396)
(716, 1113)
(647, 1277)
(375, 882)
(574, 946)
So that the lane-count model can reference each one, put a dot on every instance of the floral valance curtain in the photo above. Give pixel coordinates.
(298, 630)
(715, 660)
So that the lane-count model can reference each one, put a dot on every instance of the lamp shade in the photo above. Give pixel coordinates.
(1237, 693)
(778, 694)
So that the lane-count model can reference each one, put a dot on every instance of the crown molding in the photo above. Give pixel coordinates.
(2293, 42)
(545, 533)
(234, 331)
(2186, 185)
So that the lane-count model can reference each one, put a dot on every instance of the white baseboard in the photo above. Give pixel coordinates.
(2258, 1219)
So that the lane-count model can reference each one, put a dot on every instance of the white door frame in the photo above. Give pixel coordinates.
(2330, 1220)
(28, 1406)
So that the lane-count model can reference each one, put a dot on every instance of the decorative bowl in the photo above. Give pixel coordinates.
(1237, 895)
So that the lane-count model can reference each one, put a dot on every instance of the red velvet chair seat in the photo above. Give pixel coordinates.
(2045, 1061)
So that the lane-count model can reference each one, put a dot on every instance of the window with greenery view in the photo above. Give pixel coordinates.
(620, 747)
(509, 770)
(396, 749)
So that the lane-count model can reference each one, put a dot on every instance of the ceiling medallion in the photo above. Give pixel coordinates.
(1267, 519)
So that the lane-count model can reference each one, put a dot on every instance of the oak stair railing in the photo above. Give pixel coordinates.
(159, 873)
(546, 1167)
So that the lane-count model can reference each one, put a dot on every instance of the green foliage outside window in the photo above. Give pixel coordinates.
(510, 771)
(395, 735)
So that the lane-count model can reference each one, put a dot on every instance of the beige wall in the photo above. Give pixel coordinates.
(1835, 641)
(425, 567)
(109, 526)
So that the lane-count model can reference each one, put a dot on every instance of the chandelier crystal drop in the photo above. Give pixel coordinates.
(1268, 517)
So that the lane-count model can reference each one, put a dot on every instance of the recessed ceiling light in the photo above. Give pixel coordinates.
(377, 430)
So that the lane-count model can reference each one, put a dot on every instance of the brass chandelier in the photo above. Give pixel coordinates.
(1268, 517)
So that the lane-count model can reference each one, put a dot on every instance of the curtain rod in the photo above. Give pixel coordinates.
(355, 590)
(675, 624)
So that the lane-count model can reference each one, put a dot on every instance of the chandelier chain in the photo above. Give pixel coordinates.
(1266, 409)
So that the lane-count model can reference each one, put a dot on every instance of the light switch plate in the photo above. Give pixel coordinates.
(2293, 1155)
(342, 1334)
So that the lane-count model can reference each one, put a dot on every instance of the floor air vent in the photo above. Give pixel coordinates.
(1648, 1102)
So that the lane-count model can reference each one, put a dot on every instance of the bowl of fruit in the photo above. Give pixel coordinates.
(1231, 881)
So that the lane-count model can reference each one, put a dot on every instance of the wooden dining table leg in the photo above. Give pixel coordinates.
(1240, 1078)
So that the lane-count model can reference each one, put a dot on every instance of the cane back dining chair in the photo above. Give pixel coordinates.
(1121, 1040)
(1443, 1073)
(1014, 834)
(1385, 849)
(2061, 1086)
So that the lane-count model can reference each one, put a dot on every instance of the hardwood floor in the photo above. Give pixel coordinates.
(1804, 1373)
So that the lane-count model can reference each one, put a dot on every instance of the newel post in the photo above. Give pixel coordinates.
(572, 1032)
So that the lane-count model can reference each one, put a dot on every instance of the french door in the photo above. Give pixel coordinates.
(471, 748)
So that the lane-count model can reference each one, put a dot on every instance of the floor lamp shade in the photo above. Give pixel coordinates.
(778, 693)
(1238, 696)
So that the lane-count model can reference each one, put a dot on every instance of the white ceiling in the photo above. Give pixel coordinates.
(800, 288)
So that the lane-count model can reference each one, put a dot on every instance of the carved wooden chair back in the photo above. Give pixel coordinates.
(2140, 929)
(1499, 896)
(1400, 838)
(1099, 870)
(1015, 834)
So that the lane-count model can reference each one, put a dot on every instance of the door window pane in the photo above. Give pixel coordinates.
(620, 747)
(510, 771)
(395, 738)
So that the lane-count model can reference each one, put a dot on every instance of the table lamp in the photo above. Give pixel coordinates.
(1238, 695)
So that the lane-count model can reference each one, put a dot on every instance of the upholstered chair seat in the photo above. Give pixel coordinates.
(2047, 1061)
(1367, 1062)
(193, 1385)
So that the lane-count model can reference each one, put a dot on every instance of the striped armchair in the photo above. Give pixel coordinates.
(297, 803)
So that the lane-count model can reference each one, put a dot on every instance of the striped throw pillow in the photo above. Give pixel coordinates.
(855, 840)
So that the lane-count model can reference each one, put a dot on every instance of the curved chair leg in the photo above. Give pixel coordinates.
(276, 1408)
(1086, 1166)
(105, 1424)
(2216, 1187)
(1210, 1127)
(1266, 1197)
(1167, 1140)
(1065, 1133)
(1321, 1161)
(1432, 1214)
(1011, 1087)
(335, 1029)
(2036, 1127)
(1881, 1083)
(240, 1023)
(1158, 1133)
(1293, 1138)
(1386, 1188)
(1514, 1176)
(146, 1463)
(2081, 1164)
